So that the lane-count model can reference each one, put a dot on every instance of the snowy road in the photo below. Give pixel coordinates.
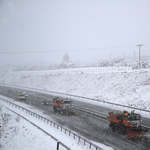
(92, 128)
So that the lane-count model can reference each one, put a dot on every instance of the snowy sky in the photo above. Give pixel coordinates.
(88, 30)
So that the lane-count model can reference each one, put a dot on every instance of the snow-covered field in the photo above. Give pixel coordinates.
(17, 133)
(127, 88)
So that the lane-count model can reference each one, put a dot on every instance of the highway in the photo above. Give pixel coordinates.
(91, 127)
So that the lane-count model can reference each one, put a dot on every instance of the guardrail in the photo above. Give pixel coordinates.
(79, 97)
(51, 123)
(100, 114)
(57, 141)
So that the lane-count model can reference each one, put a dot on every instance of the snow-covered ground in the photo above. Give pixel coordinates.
(17, 133)
(127, 88)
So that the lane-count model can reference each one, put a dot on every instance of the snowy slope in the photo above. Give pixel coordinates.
(128, 88)
(18, 134)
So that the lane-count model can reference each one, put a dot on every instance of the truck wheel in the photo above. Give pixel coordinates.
(112, 126)
(123, 130)
(54, 108)
(61, 111)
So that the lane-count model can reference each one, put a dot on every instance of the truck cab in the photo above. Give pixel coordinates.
(131, 120)
(62, 105)
(21, 96)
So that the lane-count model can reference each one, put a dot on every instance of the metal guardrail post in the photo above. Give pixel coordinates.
(90, 145)
(57, 145)
(84, 141)
(0, 130)
(79, 139)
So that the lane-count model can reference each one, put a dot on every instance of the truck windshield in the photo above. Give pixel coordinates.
(21, 94)
(66, 102)
(134, 117)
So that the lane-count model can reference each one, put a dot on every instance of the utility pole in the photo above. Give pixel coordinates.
(140, 55)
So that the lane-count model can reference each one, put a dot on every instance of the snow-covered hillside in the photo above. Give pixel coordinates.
(128, 88)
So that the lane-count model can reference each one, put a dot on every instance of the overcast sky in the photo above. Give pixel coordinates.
(88, 30)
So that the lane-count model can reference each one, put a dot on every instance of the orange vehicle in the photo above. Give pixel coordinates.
(62, 105)
(127, 123)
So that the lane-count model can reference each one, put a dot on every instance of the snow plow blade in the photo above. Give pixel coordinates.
(70, 112)
(137, 133)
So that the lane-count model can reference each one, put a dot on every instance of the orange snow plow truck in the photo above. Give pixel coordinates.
(127, 123)
(63, 105)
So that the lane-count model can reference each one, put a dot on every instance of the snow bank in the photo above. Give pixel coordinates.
(128, 88)
(18, 134)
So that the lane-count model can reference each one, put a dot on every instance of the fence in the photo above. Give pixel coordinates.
(87, 70)
(79, 97)
(51, 123)
(96, 70)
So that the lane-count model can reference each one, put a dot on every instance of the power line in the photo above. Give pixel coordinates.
(73, 50)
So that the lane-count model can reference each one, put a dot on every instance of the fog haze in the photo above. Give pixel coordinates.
(88, 30)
